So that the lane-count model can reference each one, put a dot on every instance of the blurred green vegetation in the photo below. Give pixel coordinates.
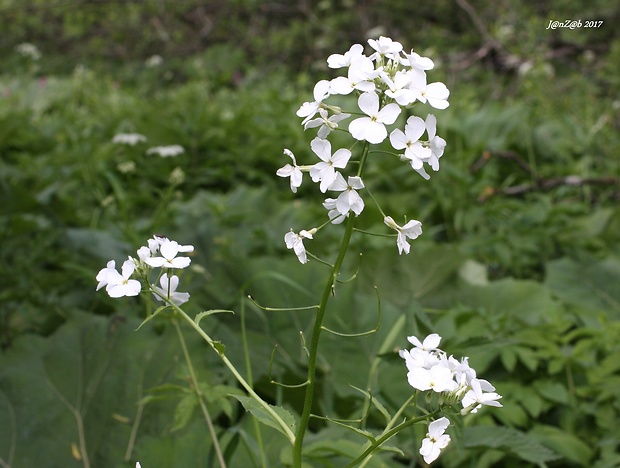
(519, 266)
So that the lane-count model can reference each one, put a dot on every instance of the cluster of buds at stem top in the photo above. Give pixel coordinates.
(454, 381)
(385, 82)
(160, 252)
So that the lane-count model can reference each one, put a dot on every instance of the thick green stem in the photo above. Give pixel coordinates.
(318, 327)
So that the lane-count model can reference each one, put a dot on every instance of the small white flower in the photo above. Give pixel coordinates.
(418, 62)
(435, 440)
(430, 343)
(296, 242)
(119, 284)
(385, 45)
(130, 139)
(372, 128)
(309, 109)
(349, 199)
(411, 230)
(104, 273)
(481, 393)
(436, 143)
(168, 290)
(28, 50)
(325, 171)
(168, 250)
(360, 76)
(438, 378)
(326, 124)
(166, 151)
(339, 61)
(292, 171)
(334, 215)
(408, 140)
(154, 61)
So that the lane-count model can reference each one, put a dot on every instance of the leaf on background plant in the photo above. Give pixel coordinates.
(592, 285)
(474, 272)
(552, 391)
(523, 445)
(263, 416)
(563, 443)
(184, 411)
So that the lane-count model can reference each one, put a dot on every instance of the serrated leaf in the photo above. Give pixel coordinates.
(152, 316)
(206, 313)
(522, 445)
(260, 413)
(219, 347)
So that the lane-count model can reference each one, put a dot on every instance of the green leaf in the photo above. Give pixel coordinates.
(522, 445)
(152, 316)
(205, 313)
(259, 412)
(564, 443)
(184, 411)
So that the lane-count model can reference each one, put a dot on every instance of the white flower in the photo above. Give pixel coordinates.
(385, 45)
(411, 230)
(435, 440)
(119, 284)
(325, 171)
(296, 242)
(418, 62)
(28, 50)
(349, 199)
(325, 124)
(339, 61)
(436, 143)
(309, 109)
(166, 151)
(372, 128)
(430, 343)
(408, 140)
(168, 290)
(130, 139)
(358, 78)
(476, 397)
(154, 61)
(105, 273)
(334, 215)
(294, 172)
(168, 250)
(138, 465)
(437, 95)
(438, 378)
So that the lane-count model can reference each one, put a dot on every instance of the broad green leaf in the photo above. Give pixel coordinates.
(564, 443)
(522, 445)
(184, 411)
(263, 416)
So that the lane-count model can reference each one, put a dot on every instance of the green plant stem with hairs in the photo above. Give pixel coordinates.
(318, 328)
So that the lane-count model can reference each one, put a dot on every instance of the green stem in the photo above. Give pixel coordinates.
(248, 388)
(201, 401)
(318, 327)
(386, 436)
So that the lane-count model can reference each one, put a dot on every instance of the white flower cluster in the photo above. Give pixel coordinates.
(132, 139)
(431, 369)
(386, 82)
(160, 252)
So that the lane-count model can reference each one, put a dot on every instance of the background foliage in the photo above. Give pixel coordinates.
(518, 268)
